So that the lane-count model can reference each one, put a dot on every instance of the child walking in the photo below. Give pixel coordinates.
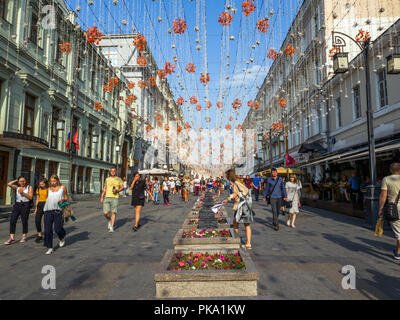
(41, 197)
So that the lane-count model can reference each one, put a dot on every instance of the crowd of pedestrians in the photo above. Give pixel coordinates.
(282, 197)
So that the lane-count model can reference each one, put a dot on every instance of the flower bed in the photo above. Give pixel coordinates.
(219, 279)
(204, 239)
(206, 261)
(204, 233)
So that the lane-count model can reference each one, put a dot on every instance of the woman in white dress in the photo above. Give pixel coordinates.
(293, 195)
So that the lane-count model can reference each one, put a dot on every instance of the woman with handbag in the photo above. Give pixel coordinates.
(21, 208)
(57, 198)
(138, 188)
(293, 202)
(239, 191)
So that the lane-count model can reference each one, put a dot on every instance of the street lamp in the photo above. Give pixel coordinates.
(60, 124)
(393, 63)
(372, 190)
(341, 62)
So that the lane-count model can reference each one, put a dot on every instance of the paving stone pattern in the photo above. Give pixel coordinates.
(207, 218)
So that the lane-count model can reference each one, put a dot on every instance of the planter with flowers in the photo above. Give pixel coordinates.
(223, 223)
(194, 273)
(206, 239)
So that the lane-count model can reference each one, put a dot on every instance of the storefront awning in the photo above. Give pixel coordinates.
(353, 154)
(311, 147)
(22, 141)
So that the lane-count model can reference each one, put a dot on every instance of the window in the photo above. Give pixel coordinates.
(297, 135)
(317, 72)
(338, 108)
(26, 168)
(319, 120)
(3, 4)
(54, 132)
(33, 35)
(93, 81)
(111, 53)
(112, 149)
(90, 141)
(57, 48)
(316, 23)
(29, 114)
(356, 102)
(53, 168)
(382, 88)
(103, 135)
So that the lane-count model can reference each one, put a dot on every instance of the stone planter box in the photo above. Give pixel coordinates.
(186, 225)
(232, 242)
(206, 283)
(192, 215)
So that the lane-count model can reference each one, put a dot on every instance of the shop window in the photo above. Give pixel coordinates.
(382, 88)
(53, 168)
(356, 102)
(103, 135)
(39, 172)
(87, 179)
(29, 114)
(26, 168)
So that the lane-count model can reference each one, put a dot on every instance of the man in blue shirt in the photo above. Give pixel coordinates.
(355, 184)
(256, 184)
(275, 189)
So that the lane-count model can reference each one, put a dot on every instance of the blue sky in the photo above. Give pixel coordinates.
(109, 15)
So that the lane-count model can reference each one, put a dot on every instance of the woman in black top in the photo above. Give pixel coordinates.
(138, 188)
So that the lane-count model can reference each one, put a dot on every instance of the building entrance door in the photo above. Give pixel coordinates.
(3, 175)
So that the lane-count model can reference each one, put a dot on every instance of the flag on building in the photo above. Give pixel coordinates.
(76, 140)
(290, 160)
(68, 142)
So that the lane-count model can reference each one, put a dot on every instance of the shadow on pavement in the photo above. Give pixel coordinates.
(83, 236)
(354, 246)
(388, 285)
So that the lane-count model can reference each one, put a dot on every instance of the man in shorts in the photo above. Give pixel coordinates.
(389, 192)
(112, 187)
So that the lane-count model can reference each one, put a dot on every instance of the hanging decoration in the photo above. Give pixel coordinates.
(230, 119)
(179, 26)
(282, 102)
(220, 105)
(139, 42)
(169, 68)
(208, 119)
(228, 127)
(225, 18)
(142, 61)
(272, 54)
(109, 87)
(208, 105)
(188, 126)
(277, 126)
(263, 25)
(129, 99)
(131, 85)
(180, 101)
(248, 7)
(148, 128)
(198, 107)
(362, 36)
(166, 127)
(93, 35)
(190, 67)
(290, 50)
(256, 105)
(152, 82)
(194, 100)
(161, 74)
(334, 51)
(98, 106)
(205, 79)
(65, 47)
(142, 84)
(250, 103)
(237, 104)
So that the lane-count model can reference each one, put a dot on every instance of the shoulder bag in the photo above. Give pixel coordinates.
(269, 195)
(390, 210)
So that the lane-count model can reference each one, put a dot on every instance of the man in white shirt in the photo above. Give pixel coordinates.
(166, 189)
(390, 191)
(173, 187)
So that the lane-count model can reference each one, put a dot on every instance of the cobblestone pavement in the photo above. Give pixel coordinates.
(304, 263)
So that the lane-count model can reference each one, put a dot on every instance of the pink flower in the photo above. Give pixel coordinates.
(181, 263)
